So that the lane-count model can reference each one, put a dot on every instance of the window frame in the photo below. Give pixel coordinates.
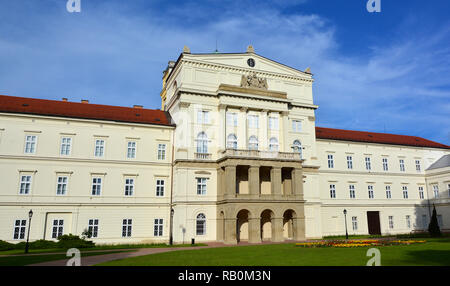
(127, 227)
(29, 183)
(158, 227)
(160, 187)
(19, 229)
(93, 227)
(200, 221)
(129, 187)
(33, 144)
(66, 184)
(131, 150)
(202, 182)
(66, 146)
(58, 228)
(162, 151)
(101, 147)
(97, 192)
(332, 191)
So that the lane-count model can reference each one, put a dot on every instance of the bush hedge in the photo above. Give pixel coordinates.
(64, 242)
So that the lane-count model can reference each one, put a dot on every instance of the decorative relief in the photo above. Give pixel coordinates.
(253, 81)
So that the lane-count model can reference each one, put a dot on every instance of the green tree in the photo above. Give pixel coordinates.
(433, 227)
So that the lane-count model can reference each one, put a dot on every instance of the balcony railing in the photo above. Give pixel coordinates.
(203, 156)
(262, 154)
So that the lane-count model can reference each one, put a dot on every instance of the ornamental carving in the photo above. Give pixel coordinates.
(253, 81)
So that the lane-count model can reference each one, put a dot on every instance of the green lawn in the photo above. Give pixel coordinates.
(433, 252)
(31, 259)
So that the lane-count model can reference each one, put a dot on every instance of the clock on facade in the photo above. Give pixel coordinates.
(251, 62)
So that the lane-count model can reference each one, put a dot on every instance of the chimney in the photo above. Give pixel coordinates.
(84, 101)
(64, 99)
(138, 106)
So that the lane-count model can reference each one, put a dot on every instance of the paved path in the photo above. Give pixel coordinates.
(96, 259)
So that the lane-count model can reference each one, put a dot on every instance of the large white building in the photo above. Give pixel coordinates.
(234, 155)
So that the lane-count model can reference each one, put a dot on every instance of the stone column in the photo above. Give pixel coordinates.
(230, 181)
(230, 231)
(299, 228)
(297, 182)
(275, 179)
(263, 126)
(254, 230)
(284, 146)
(242, 129)
(253, 180)
(220, 182)
(277, 229)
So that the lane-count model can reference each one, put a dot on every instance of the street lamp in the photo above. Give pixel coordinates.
(345, 217)
(172, 211)
(30, 215)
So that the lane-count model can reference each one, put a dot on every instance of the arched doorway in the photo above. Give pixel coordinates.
(266, 225)
(242, 228)
(289, 228)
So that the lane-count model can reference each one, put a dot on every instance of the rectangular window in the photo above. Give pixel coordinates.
(66, 146)
(385, 164)
(424, 221)
(421, 195)
(58, 228)
(201, 186)
(96, 186)
(158, 227)
(355, 223)
(25, 184)
(93, 227)
(349, 162)
(402, 165)
(388, 192)
(408, 222)
(126, 227)
(30, 144)
(161, 151)
(440, 221)
(273, 123)
(391, 222)
(99, 148)
(368, 166)
(131, 150)
(352, 191)
(61, 187)
(405, 192)
(418, 165)
(330, 161)
(332, 191)
(129, 187)
(160, 188)
(297, 125)
(370, 190)
(436, 191)
(19, 229)
(202, 117)
(232, 119)
(253, 121)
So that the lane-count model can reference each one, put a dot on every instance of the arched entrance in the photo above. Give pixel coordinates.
(242, 226)
(289, 228)
(266, 225)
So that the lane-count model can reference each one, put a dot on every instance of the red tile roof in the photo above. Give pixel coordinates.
(371, 137)
(12, 104)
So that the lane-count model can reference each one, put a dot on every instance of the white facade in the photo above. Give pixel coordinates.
(217, 117)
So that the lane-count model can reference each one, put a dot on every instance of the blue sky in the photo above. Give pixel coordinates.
(378, 72)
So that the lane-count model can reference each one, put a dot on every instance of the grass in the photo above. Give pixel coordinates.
(434, 252)
(99, 247)
(31, 259)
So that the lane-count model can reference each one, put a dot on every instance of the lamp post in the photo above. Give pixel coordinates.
(345, 217)
(30, 215)
(171, 227)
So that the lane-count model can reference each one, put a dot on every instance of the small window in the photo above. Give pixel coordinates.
(388, 192)
(385, 164)
(93, 227)
(131, 150)
(349, 162)
(25, 184)
(61, 187)
(273, 123)
(402, 165)
(405, 192)
(232, 141)
(202, 143)
(436, 191)
(96, 186)
(418, 165)
(253, 143)
(202, 117)
(201, 186)
(424, 221)
(273, 144)
(332, 191)
(370, 191)
(330, 161)
(297, 148)
(19, 229)
(201, 224)
(158, 227)
(296, 125)
(352, 191)
(391, 222)
(99, 148)
(58, 228)
(368, 165)
(161, 151)
(160, 184)
(129, 187)
(127, 225)
(30, 144)
(355, 223)
(66, 146)
(421, 194)
(408, 222)
(232, 119)
(253, 121)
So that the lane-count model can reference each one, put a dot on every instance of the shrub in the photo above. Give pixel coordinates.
(42, 244)
(433, 227)
(6, 245)
(73, 241)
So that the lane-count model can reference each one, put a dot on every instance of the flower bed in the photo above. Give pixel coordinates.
(357, 243)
